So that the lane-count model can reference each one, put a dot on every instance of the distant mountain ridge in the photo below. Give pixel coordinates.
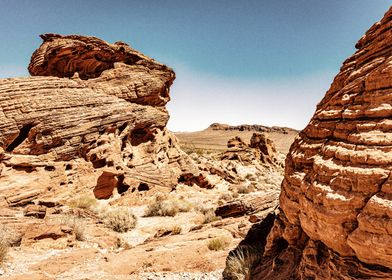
(251, 127)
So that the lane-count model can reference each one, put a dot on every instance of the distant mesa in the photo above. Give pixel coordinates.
(251, 127)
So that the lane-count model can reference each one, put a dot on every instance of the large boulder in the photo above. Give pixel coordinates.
(336, 196)
(92, 115)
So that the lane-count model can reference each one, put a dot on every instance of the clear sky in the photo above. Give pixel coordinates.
(250, 61)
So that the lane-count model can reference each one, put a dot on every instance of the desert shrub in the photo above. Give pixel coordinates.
(172, 230)
(208, 214)
(3, 245)
(226, 196)
(120, 219)
(235, 194)
(8, 238)
(240, 263)
(244, 189)
(3, 251)
(162, 205)
(191, 148)
(122, 244)
(176, 229)
(218, 243)
(77, 224)
(250, 177)
(183, 205)
(83, 202)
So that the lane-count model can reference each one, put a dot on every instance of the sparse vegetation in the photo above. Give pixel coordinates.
(251, 177)
(226, 196)
(119, 220)
(208, 214)
(3, 251)
(191, 148)
(8, 238)
(122, 244)
(176, 229)
(218, 243)
(240, 263)
(172, 230)
(3, 246)
(84, 202)
(77, 225)
(162, 205)
(235, 194)
(245, 189)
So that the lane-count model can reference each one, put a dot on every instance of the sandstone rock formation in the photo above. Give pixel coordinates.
(91, 117)
(84, 137)
(336, 196)
(261, 149)
(241, 160)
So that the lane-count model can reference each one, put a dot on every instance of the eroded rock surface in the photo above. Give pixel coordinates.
(92, 116)
(336, 196)
(84, 138)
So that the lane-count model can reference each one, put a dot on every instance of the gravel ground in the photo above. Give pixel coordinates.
(215, 275)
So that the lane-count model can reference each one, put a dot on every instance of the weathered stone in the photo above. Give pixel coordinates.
(249, 205)
(90, 109)
(23, 198)
(236, 142)
(36, 211)
(260, 149)
(336, 195)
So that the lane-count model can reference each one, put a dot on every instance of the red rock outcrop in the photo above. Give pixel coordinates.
(261, 149)
(336, 196)
(92, 116)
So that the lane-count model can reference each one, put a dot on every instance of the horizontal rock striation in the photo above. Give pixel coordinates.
(251, 127)
(92, 115)
(336, 196)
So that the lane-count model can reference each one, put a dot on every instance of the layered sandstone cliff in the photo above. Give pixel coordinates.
(336, 196)
(91, 117)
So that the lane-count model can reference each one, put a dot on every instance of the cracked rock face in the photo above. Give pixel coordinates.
(91, 116)
(336, 197)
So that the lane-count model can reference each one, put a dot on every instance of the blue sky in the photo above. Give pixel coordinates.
(266, 62)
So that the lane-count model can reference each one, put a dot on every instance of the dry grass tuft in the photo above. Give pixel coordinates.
(240, 263)
(120, 219)
(165, 231)
(235, 194)
(162, 205)
(77, 224)
(122, 244)
(84, 202)
(3, 251)
(244, 189)
(3, 248)
(218, 243)
(226, 196)
(176, 230)
(191, 148)
(8, 238)
(208, 214)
